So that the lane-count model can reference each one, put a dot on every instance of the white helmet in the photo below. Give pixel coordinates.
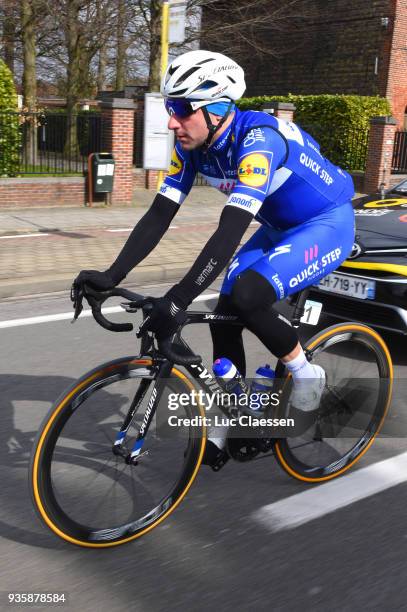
(203, 76)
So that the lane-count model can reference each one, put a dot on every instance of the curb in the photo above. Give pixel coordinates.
(35, 285)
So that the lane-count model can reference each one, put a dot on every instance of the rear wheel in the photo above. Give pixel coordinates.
(356, 399)
(87, 494)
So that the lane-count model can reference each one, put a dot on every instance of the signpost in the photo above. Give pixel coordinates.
(158, 140)
(176, 32)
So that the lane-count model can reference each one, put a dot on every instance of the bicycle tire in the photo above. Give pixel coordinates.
(300, 457)
(59, 454)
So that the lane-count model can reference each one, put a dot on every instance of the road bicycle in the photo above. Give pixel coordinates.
(107, 468)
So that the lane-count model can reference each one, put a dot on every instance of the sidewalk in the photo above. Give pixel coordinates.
(43, 249)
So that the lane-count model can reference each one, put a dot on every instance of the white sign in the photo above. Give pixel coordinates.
(176, 30)
(105, 169)
(312, 312)
(158, 140)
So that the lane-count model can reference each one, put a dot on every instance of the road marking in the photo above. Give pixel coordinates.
(299, 509)
(37, 235)
(85, 313)
(121, 229)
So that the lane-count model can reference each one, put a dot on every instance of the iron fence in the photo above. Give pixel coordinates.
(344, 146)
(138, 136)
(49, 143)
(399, 161)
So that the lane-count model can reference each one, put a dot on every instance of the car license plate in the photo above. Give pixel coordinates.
(348, 285)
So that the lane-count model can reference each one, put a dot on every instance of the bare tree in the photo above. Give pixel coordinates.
(81, 32)
(245, 32)
(87, 43)
(9, 19)
(102, 66)
(28, 36)
(121, 45)
(102, 56)
(155, 45)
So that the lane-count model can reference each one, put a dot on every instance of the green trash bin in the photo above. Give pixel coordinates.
(102, 172)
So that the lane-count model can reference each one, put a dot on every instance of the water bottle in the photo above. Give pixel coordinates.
(263, 383)
(229, 377)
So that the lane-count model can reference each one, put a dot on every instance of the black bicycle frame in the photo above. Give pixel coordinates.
(197, 371)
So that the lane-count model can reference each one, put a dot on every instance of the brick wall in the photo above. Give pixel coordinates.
(379, 154)
(145, 179)
(397, 82)
(334, 51)
(118, 129)
(26, 193)
(341, 46)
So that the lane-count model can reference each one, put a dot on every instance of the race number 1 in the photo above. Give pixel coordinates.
(312, 312)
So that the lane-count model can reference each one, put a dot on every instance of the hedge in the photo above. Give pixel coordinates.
(9, 127)
(340, 123)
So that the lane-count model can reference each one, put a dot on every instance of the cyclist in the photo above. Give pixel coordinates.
(271, 170)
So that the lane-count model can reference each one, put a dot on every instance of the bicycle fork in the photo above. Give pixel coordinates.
(132, 456)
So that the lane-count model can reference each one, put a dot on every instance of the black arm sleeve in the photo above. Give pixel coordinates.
(144, 237)
(215, 255)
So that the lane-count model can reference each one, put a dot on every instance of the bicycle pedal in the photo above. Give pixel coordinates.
(265, 445)
(243, 449)
(220, 462)
(214, 457)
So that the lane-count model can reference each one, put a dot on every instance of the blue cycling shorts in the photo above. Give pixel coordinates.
(298, 257)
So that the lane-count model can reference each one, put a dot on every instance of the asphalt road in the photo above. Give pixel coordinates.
(214, 551)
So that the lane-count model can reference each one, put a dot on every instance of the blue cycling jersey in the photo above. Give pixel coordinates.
(267, 166)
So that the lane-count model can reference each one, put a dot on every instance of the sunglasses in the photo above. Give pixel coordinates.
(178, 106)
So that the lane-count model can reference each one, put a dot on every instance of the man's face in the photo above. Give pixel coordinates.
(191, 131)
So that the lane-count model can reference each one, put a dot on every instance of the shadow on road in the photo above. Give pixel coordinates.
(17, 432)
(25, 402)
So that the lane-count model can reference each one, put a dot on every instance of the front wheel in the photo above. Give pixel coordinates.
(84, 491)
(353, 406)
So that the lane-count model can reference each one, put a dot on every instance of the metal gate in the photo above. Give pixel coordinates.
(399, 161)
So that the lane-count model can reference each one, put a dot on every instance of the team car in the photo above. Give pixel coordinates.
(371, 285)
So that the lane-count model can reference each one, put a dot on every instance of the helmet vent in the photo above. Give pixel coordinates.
(172, 69)
(186, 75)
(206, 85)
(230, 79)
(180, 91)
(209, 59)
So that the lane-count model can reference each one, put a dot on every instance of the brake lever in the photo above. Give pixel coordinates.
(140, 330)
(77, 300)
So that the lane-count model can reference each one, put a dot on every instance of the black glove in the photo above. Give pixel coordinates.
(164, 319)
(97, 280)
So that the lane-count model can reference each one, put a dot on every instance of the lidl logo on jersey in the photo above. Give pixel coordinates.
(254, 170)
(176, 164)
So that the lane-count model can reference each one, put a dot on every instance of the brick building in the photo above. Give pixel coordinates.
(342, 46)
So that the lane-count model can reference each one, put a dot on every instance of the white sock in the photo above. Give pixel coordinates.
(219, 442)
(300, 367)
(218, 435)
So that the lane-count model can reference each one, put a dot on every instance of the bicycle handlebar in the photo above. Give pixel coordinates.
(165, 347)
(97, 298)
